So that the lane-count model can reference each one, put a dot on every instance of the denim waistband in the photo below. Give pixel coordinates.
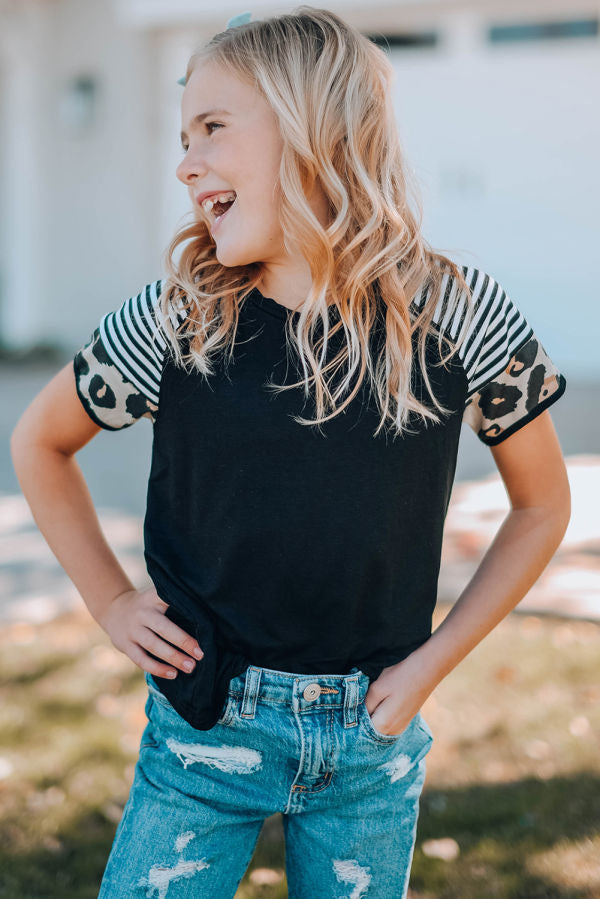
(300, 691)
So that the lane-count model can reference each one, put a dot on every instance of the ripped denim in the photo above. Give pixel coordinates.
(302, 745)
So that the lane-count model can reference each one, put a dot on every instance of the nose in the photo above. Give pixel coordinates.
(189, 169)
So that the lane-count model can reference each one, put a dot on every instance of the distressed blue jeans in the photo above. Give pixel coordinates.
(303, 745)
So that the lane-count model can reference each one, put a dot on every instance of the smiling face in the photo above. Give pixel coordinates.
(238, 150)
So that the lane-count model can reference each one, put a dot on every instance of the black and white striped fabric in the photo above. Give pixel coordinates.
(118, 372)
(509, 376)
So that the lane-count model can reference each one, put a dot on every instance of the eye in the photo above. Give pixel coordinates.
(208, 125)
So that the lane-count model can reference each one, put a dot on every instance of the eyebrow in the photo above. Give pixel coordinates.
(198, 119)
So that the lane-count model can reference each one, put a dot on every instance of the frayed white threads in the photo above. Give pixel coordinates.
(358, 876)
(226, 758)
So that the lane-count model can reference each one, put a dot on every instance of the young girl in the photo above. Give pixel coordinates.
(307, 365)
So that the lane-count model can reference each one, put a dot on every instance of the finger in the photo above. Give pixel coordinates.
(150, 641)
(374, 705)
(166, 628)
(147, 663)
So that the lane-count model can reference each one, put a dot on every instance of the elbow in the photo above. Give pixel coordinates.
(565, 506)
(16, 439)
(22, 441)
(17, 444)
(20, 433)
(559, 511)
(552, 513)
(558, 506)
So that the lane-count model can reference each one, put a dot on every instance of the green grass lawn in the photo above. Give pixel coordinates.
(510, 809)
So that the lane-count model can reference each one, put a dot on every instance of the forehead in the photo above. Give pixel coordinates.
(210, 86)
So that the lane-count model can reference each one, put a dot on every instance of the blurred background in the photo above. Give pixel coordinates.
(497, 108)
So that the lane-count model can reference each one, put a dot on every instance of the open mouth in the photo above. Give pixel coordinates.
(218, 207)
(220, 210)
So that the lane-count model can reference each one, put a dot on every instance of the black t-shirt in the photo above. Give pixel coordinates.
(293, 547)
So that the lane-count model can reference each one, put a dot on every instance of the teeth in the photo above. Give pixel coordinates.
(208, 204)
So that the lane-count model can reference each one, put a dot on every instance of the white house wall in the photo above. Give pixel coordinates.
(22, 234)
(505, 141)
(81, 203)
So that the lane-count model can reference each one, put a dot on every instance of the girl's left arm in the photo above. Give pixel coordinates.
(533, 470)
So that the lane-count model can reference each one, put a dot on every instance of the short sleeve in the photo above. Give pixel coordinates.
(118, 371)
(511, 378)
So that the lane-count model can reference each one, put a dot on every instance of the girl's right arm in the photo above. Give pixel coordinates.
(43, 445)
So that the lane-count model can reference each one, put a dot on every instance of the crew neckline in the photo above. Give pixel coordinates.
(271, 306)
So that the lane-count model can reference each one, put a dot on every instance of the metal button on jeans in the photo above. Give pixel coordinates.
(312, 691)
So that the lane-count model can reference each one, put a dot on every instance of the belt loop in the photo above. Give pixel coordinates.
(251, 686)
(351, 700)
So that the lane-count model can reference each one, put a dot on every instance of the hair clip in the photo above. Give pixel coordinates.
(241, 19)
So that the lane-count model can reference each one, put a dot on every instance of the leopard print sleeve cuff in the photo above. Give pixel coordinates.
(110, 399)
(528, 385)
(119, 372)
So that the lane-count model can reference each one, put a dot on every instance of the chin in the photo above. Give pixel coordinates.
(232, 258)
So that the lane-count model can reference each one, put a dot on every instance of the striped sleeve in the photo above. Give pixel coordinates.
(118, 371)
(510, 377)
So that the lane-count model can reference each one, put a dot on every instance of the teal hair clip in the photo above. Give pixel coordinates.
(241, 19)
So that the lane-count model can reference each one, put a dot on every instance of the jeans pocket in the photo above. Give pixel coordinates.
(228, 712)
(156, 694)
(370, 729)
(425, 727)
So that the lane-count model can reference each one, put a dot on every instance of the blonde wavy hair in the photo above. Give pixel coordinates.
(329, 87)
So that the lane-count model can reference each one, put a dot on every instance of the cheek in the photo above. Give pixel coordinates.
(258, 178)
(260, 204)
(265, 220)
